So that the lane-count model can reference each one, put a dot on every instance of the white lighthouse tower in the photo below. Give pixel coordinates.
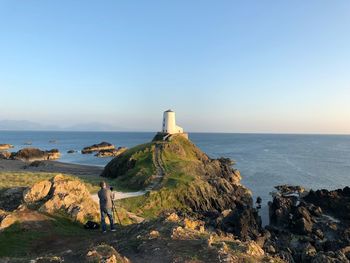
(169, 123)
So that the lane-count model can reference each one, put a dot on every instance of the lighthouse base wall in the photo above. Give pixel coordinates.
(163, 136)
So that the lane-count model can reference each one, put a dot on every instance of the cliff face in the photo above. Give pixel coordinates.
(179, 176)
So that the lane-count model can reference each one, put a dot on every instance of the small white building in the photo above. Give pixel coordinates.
(169, 123)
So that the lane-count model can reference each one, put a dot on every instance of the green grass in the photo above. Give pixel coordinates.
(152, 204)
(133, 177)
(180, 165)
(14, 241)
(140, 176)
(179, 157)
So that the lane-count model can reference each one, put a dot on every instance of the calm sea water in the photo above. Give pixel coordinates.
(265, 160)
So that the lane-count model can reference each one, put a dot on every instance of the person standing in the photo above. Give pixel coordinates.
(106, 196)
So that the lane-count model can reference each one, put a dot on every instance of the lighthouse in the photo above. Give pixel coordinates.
(169, 128)
(169, 123)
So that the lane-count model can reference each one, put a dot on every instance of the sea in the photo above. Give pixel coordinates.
(264, 160)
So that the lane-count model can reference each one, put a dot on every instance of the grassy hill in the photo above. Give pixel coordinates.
(192, 182)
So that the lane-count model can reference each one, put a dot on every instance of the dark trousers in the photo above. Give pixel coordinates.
(109, 213)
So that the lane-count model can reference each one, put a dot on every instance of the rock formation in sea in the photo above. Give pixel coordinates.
(111, 152)
(97, 147)
(35, 154)
(5, 146)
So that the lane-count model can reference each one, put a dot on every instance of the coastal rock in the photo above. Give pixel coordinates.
(111, 152)
(254, 249)
(69, 197)
(59, 196)
(35, 154)
(300, 223)
(7, 220)
(97, 147)
(5, 146)
(244, 223)
(37, 192)
(336, 203)
(5, 155)
(71, 151)
(11, 198)
(105, 253)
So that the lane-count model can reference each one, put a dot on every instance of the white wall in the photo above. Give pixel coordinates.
(169, 123)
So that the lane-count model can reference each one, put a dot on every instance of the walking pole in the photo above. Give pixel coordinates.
(115, 212)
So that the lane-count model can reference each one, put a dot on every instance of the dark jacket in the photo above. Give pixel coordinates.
(106, 196)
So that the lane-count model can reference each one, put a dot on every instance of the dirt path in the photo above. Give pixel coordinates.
(160, 171)
(120, 195)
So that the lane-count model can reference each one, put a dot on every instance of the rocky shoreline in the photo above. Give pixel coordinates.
(309, 226)
(197, 205)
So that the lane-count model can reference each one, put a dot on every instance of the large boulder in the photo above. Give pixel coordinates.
(35, 154)
(97, 147)
(71, 198)
(61, 196)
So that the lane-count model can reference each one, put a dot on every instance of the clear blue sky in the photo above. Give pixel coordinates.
(227, 66)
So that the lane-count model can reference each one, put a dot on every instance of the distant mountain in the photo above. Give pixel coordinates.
(23, 125)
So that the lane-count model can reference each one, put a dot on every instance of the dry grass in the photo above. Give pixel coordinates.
(27, 179)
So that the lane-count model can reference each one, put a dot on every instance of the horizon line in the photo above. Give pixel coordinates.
(202, 132)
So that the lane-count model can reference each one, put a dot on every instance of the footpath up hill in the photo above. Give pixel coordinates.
(179, 177)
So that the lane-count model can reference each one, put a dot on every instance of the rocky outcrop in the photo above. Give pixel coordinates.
(336, 203)
(111, 152)
(66, 196)
(59, 196)
(309, 226)
(105, 253)
(5, 155)
(35, 154)
(188, 181)
(5, 146)
(98, 147)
